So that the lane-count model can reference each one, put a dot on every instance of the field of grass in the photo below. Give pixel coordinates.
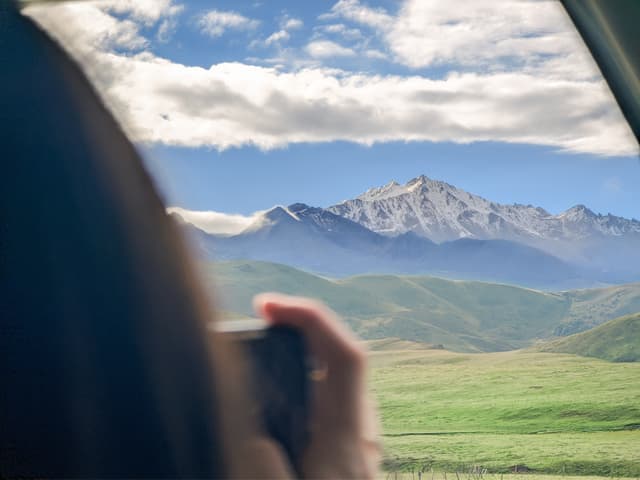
(429, 474)
(548, 413)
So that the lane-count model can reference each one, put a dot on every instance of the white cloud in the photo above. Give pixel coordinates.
(507, 34)
(89, 26)
(234, 104)
(425, 32)
(357, 12)
(328, 49)
(166, 30)
(216, 222)
(106, 31)
(343, 30)
(215, 22)
(276, 37)
(147, 11)
(377, 54)
(290, 23)
(287, 24)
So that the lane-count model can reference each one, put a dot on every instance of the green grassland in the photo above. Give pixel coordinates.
(472, 474)
(463, 316)
(549, 413)
(546, 413)
(616, 340)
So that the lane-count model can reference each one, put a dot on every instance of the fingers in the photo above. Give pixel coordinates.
(328, 338)
(344, 425)
(268, 461)
(370, 426)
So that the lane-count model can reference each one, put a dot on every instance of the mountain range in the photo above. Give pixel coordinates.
(442, 212)
(431, 227)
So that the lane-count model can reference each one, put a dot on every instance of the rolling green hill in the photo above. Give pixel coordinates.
(591, 306)
(463, 316)
(616, 340)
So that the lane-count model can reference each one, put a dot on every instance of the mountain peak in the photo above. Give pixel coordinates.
(441, 212)
(394, 189)
(296, 208)
(421, 179)
(579, 207)
(279, 213)
(389, 190)
(578, 212)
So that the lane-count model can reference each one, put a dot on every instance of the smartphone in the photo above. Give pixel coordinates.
(280, 369)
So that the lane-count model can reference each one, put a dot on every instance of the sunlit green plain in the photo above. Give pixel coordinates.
(547, 413)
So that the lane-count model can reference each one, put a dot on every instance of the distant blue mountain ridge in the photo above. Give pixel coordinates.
(387, 230)
(320, 241)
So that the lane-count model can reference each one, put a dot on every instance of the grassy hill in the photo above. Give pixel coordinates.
(591, 306)
(465, 316)
(548, 413)
(616, 340)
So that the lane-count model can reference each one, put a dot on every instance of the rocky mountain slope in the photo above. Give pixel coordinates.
(441, 212)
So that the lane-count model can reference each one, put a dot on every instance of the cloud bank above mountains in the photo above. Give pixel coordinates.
(505, 71)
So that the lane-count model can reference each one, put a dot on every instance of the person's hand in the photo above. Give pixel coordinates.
(344, 426)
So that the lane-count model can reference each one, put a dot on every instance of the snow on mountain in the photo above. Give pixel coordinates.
(442, 212)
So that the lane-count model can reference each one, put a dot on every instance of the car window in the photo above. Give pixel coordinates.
(455, 179)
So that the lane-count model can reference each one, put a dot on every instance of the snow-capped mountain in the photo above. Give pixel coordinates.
(318, 240)
(431, 227)
(441, 212)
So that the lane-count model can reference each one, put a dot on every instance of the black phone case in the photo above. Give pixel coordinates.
(280, 385)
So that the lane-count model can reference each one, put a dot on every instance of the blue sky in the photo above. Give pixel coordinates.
(245, 180)
(238, 106)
